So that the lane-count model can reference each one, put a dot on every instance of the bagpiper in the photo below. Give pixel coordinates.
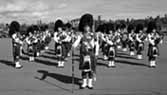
(119, 36)
(32, 42)
(131, 39)
(140, 38)
(14, 32)
(109, 40)
(60, 36)
(47, 37)
(103, 30)
(124, 36)
(154, 38)
(68, 42)
(88, 46)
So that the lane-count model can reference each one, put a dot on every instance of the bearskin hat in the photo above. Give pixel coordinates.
(130, 28)
(118, 26)
(35, 28)
(102, 28)
(14, 27)
(32, 29)
(58, 23)
(29, 30)
(151, 25)
(111, 26)
(139, 27)
(123, 26)
(86, 20)
(68, 25)
(99, 28)
(43, 27)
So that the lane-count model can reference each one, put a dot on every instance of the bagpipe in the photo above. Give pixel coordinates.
(18, 39)
(32, 39)
(132, 40)
(140, 45)
(142, 36)
(61, 36)
(157, 38)
(111, 39)
(30, 44)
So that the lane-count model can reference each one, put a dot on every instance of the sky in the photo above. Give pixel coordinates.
(29, 11)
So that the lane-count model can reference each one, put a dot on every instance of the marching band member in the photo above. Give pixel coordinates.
(32, 41)
(59, 37)
(140, 37)
(124, 37)
(118, 34)
(68, 43)
(14, 32)
(87, 50)
(110, 40)
(47, 37)
(131, 42)
(103, 29)
(44, 38)
(154, 39)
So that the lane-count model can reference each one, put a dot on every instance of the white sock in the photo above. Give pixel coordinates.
(84, 84)
(90, 82)
(17, 64)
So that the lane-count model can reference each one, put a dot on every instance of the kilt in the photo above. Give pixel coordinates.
(138, 48)
(151, 52)
(32, 49)
(61, 51)
(83, 53)
(112, 53)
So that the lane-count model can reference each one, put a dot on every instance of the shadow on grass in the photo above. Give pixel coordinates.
(45, 62)
(131, 63)
(8, 63)
(62, 78)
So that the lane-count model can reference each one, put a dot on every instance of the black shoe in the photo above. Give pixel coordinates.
(82, 87)
(90, 87)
